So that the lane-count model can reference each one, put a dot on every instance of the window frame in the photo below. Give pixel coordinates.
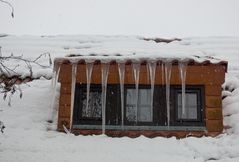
(199, 90)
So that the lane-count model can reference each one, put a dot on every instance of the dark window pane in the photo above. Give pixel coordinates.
(130, 105)
(94, 107)
(190, 106)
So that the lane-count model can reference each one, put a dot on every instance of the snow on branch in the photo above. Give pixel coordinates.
(13, 72)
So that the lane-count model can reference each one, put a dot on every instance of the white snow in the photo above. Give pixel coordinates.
(29, 137)
(108, 47)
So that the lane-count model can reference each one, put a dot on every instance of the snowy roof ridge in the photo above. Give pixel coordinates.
(194, 59)
(134, 57)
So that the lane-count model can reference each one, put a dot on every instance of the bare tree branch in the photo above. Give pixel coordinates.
(20, 58)
(10, 5)
(9, 76)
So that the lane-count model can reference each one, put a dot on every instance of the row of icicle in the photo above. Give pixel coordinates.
(151, 67)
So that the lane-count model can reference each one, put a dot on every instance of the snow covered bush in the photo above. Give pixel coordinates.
(230, 104)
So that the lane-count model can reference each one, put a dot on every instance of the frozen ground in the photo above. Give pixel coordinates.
(27, 138)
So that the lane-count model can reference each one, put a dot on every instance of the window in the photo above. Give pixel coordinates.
(144, 113)
(147, 115)
(190, 109)
(193, 112)
(92, 114)
(94, 105)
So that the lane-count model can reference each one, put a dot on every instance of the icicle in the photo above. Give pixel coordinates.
(182, 68)
(53, 79)
(89, 68)
(73, 84)
(104, 78)
(136, 70)
(152, 69)
(162, 71)
(54, 90)
(148, 74)
(57, 75)
(168, 67)
(121, 67)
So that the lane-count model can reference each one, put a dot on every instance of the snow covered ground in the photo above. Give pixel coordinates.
(27, 136)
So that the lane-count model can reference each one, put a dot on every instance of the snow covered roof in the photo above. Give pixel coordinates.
(133, 58)
(105, 48)
(123, 49)
(137, 49)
